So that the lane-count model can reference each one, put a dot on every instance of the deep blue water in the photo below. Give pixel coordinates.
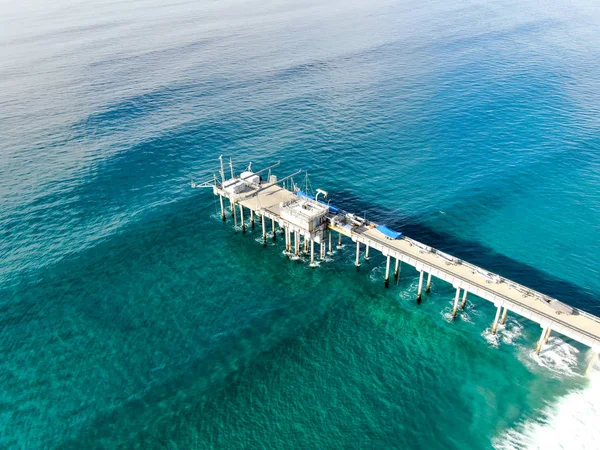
(132, 317)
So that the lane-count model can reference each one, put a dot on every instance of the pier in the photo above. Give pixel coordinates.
(301, 216)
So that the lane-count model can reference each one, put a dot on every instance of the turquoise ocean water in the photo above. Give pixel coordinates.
(132, 317)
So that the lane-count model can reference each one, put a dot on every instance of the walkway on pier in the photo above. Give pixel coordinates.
(581, 326)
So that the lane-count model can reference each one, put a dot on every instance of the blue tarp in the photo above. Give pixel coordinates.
(391, 234)
(304, 194)
(332, 209)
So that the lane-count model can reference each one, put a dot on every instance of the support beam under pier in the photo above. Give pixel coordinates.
(428, 286)
(456, 297)
(542, 340)
(222, 208)
(329, 233)
(233, 214)
(339, 240)
(496, 319)
(273, 228)
(367, 252)
(420, 289)
(312, 253)
(464, 300)
(387, 272)
(252, 218)
(357, 263)
(547, 335)
(297, 243)
(242, 218)
(503, 319)
(397, 269)
(264, 230)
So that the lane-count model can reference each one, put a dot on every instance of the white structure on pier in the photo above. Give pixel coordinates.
(307, 214)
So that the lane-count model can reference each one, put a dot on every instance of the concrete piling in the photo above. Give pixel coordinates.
(496, 319)
(297, 242)
(292, 244)
(252, 218)
(288, 238)
(312, 252)
(367, 251)
(233, 214)
(242, 218)
(456, 297)
(264, 230)
(541, 342)
(464, 300)
(419, 290)
(428, 286)
(222, 208)
(387, 272)
(503, 319)
(357, 263)
(329, 233)
(273, 228)
(397, 269)
(339, 240)
(547, 335)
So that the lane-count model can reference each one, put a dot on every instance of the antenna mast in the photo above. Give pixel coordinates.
(222, 169)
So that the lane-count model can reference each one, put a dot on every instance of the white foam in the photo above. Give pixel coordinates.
(507, 334)
(510, 332)
(473, 309)
(557, 356)
(570, 423)
(466, 317)
(406, 295)
(492, 339)
(377, 274)
(447, 315)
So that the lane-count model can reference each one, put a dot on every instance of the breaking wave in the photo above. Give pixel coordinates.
(570, 422)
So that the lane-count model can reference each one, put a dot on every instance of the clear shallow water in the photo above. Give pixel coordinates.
(130, 316)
